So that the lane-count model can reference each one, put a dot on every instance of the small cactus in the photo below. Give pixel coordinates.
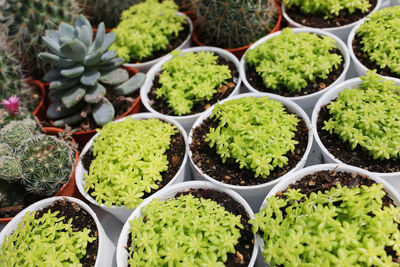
(17, 132)
(10, 169)
(235, 23)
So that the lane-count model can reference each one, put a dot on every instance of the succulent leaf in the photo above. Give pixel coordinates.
(103, 112)
(95, 94)
(115, 77)
(73, 96)
(71, 120)
(90, 77)
(56, 60)
(73, 72)
(74, 49)
(57, 110)
(131, 85)
(63, 83)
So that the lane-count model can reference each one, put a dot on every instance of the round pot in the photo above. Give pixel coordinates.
(389, 3)
(282, 185)
(106, 248)
(253, 194)
(188, 120)
(306, 102)
(238, 52)
(69, 188)
(342, 32)
(40, 110)
(392, 178)
(145, 66)
(121, 212)
(167, 193)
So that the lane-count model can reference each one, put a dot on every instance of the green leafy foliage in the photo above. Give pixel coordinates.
(146, 28)
(338, 227)
(380, 38)
(368, 116)
(183, 231)
(129, 158)
(255, 132)
(293, 60)
(329, 8)
(190, 77)
(46, 241)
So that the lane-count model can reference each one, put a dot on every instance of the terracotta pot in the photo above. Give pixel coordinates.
(68, 189)
(238, 52)
(40, 111)
(188, 10)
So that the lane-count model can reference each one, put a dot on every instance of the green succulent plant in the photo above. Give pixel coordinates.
(84, 67)
(368, 116)
(380, 38)
(293, 60)
(183, 231)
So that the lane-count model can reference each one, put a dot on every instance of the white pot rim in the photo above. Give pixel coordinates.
(145, 89)
(288, 104)
(341, 46)
(12, 225)
(151, 62)
(347, 26)
(324, 100)
(165, 194)
(80, 171)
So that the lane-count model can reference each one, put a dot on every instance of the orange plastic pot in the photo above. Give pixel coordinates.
(40, 110)
(238, 52)
(188, 10)
(68, 189)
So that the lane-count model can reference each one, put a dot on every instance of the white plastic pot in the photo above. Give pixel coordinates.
(392, 178)
(306, 102)
(121, 212)
(342, 32)
(145, 66)
(170, 192)
(106, 249)
(389, 3)
(186, 121)
(254, 194)
(393, 194)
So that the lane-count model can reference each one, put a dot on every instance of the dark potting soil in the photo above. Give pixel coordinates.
(161, 104)
(175, 155)
(210, 162)
(81, 219)
(244, 248)
(319, 84)
(357, 157)
(364, 59)
(318, 21)
(183, 34)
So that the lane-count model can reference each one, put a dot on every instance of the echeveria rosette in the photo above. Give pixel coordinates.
(245, 125)
(329, 8)
(339, 227)
(368, 116)
(129, 158)
(189, 230)
(190, 77)
(293, 60)
(46, 241)
(380, 38)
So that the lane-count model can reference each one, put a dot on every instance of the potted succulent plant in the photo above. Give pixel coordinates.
(330, 215)
(357, 123)
(228, 143)
(194, 223)
(87, 88)
(382, 53)
(32, 165)
(150, 30)
(336, 17)
(234, 25)
(118, 179)
(56, 231)
(187, 82)
(301, 64)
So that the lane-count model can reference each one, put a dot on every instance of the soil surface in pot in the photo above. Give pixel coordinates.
(357, 157)
(364, 59)
(161, 104)
(183, 34)
(207, 159)
(175, 156)
(81, 219)
(244, 248)
(319, 84)
(318, 21)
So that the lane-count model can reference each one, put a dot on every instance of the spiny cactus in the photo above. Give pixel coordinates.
(27, 20)
(235, 23)
(82, 67)
(16, 132)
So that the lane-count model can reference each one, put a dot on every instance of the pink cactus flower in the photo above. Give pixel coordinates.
(11, 104)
